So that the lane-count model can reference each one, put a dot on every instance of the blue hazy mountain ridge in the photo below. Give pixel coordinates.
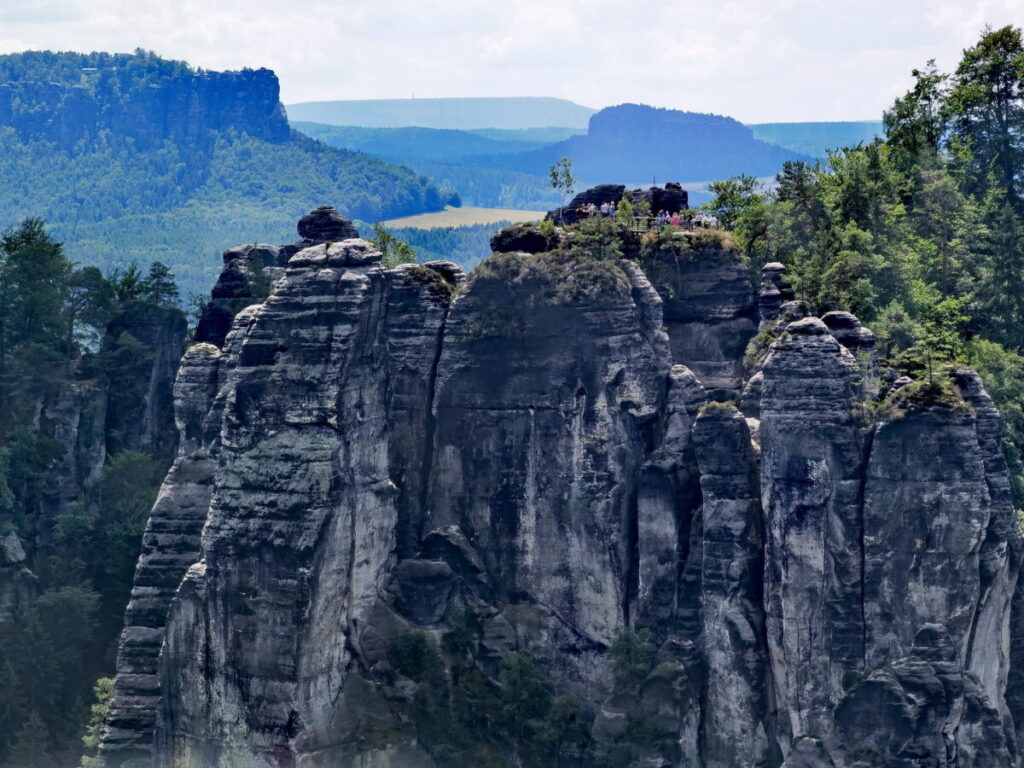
(457, 113)
(816, 139)
(413, 141)
(135, 157)
(633, 143)
(629, 143)
(530, 135)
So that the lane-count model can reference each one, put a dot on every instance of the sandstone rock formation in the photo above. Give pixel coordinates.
(183, 107)
(401, 496)
(17, 582)
(671, 197)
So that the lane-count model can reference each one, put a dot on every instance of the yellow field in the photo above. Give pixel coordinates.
(460, 217)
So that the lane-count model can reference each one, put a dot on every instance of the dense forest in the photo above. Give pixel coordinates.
(133, 157)
(77, 478)
(920, 234)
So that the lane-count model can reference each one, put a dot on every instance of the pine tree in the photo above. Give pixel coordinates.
(986, 107)
(159, 285)
(31, 747)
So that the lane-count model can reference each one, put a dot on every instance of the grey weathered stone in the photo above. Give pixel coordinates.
(325, 224)
(668, 500)
(17, 582)
(541, 405)
(775, 291)
(513, 464)
(811, 462)
(736, 700)
(710, 307)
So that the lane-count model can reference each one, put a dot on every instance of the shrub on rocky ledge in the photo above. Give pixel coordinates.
(936, 392)
(573, 276)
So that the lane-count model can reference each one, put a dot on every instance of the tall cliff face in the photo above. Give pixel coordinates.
(182, 106)
(82, 421)
(418, 521)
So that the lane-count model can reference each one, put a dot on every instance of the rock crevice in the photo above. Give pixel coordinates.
(393, 486)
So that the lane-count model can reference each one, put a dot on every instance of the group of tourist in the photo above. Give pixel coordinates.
(589, 210)
(687, 220)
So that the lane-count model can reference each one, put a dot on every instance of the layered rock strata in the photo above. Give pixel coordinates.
(393, 486)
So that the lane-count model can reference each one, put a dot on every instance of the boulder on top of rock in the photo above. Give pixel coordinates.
(774, 292)
(325, 224)
(527, 237)
(808, 326)
(848, 331)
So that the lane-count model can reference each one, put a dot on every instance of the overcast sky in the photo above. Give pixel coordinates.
(756, 60)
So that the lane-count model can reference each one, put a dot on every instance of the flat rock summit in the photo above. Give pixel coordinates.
(590, 506)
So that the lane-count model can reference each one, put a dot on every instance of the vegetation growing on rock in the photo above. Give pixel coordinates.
(919, 233)
(85, 362)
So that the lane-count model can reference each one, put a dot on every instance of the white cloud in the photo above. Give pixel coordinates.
(757, 60)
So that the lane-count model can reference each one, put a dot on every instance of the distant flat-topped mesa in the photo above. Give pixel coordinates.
(137, 96)
(423, 521)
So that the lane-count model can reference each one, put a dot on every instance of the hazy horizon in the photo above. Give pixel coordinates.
(813, 60)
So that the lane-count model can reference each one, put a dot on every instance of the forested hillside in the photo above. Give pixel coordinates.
(920, 234)
(86, 434)
(130, 156)
(411, 141)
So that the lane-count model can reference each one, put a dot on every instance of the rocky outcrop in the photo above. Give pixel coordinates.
(250, 271)
(170, 545)
(775, 291)
(736, 702)
(526, 237)
(811, 469)
(245, 279)
(668, 514)
(547, 494)
(181, 106)
(671, 198)
(422, 521)
(74, 417)
(147, 342)
(17, 582)
(710, 309)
